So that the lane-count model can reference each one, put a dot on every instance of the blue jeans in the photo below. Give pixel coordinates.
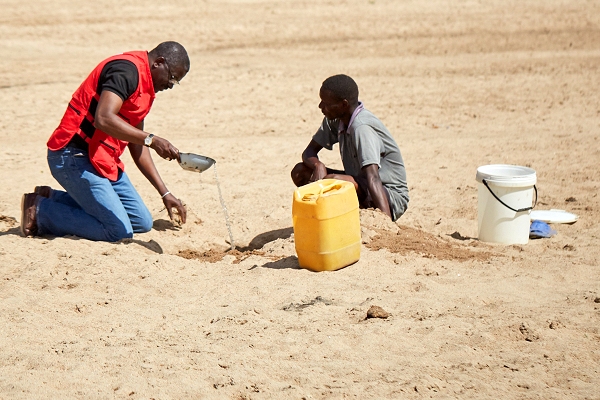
(93, 207)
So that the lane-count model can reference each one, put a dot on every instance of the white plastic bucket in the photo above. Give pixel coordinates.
(505, 196)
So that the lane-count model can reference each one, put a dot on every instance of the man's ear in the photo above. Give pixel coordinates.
(158, 61)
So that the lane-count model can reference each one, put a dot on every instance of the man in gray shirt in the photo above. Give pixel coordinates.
(370, 155)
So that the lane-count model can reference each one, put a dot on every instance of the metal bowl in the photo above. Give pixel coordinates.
(195, 162)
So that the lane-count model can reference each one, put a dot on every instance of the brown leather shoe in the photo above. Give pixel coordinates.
(43, 191)
(28, 211)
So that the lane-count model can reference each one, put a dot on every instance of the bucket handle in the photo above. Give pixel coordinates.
(506, 205)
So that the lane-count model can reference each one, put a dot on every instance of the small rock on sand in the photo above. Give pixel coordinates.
(377, 312)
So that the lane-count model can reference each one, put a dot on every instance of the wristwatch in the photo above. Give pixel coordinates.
(148, 140)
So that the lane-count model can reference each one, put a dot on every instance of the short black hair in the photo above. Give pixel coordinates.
(174, 53)
(343, 87)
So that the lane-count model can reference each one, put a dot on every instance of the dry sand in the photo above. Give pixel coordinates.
(171, 314)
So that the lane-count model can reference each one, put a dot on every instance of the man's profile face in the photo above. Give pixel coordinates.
(331, 106)
(164, 76)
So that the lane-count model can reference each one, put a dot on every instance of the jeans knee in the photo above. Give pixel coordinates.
(143, 223)
(114, 235)
(146, 226)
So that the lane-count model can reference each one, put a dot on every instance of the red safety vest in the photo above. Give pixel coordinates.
(104, 150)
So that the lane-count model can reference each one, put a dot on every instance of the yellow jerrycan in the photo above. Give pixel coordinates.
(326, 225)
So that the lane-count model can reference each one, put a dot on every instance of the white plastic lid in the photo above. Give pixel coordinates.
(506, 175)
(553, 216)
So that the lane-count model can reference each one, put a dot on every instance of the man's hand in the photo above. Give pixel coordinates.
(171, 202)
(319, 171)
(310, 158)
(164, 149)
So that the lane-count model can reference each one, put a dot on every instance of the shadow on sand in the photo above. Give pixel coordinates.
(290, 262)
(260, 240)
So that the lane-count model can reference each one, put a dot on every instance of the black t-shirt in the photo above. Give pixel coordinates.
(120, 77)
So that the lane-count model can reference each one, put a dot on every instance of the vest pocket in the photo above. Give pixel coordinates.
(72, 107)
(108, 145)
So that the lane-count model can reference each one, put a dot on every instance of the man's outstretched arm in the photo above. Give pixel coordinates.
(108, 121)
(143, 160)
(376, 189)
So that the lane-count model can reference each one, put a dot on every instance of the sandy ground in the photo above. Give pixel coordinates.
(171, 314)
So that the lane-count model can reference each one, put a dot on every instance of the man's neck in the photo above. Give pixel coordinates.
(346, 118)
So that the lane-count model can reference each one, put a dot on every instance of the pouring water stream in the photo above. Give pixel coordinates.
(224, 207)
(198, 163)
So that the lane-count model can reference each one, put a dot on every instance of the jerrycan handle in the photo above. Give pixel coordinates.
(322, 190)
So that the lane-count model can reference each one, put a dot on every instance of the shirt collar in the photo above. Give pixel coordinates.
(341, 127)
